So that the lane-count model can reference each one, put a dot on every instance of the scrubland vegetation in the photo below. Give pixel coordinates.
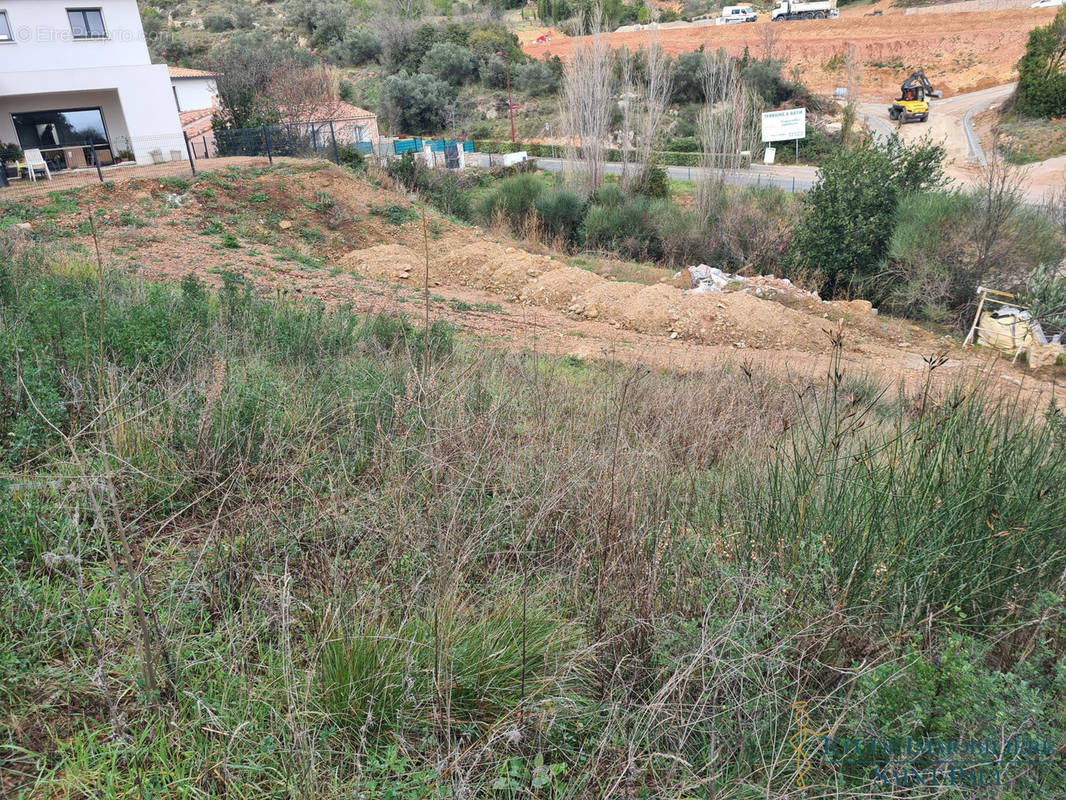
(883, 223)
(257, 549)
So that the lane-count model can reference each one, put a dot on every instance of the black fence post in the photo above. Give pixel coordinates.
(96, 163)
(333, 136)
(203, 140)
(188, 149)
(270, 154)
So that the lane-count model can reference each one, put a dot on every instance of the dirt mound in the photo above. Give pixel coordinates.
(603, 298)
(491, 266)
(660, 309)
(561, 287)
(386, 261)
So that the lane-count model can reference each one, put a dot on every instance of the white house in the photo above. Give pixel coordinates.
(194, 89)
(76, 77)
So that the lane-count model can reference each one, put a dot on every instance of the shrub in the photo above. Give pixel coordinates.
(934, 264)
(493, 72)
(608, 194)
(850, 213)
(359, 46)
(414, 103)
(536, 77)
(349, 156)
(831, 490)
(325, 21)
(560, 212)
(688, 85)
(627, 228)
(216, 23)
(403, 169)
(930, 265)
(653, 182)
(1041, 90)
(764, 79)
(449, 62)
(1046, 298)
(514, 198)
(496, 38)
(684, 144)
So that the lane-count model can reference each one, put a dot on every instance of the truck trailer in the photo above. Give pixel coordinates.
(819, 9)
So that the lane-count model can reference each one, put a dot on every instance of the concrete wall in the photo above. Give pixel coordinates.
(970, 6)
(194, 93)
(44, 41)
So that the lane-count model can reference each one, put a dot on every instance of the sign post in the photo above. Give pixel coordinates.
(780, 126)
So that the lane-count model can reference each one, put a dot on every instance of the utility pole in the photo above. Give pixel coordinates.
(510, 105)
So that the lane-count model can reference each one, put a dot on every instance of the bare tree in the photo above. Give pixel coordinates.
(999, 196)
(301, 94)
(728, 127)
(645, 100)
(771, 35)
(586, 105)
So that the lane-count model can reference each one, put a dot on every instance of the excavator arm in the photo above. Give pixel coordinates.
(918, 79)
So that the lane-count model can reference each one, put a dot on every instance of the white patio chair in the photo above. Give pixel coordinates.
(35, 161)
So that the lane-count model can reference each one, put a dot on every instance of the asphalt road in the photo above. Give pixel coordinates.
(950, 122)
(789, 178)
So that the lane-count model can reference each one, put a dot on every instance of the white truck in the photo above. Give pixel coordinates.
(819, 9)
(734, 14)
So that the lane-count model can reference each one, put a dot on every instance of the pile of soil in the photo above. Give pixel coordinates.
(661, 309)
(385, 261)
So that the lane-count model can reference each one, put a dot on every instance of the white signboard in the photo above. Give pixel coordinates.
(780, 126)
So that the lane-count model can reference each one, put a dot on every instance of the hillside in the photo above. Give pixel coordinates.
(263, 533)
(313, 231)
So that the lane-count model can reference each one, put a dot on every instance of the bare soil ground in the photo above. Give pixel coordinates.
(310, 230)
(960, 52)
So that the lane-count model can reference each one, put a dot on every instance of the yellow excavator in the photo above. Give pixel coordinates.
(912, 104)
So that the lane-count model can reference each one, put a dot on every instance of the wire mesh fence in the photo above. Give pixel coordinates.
(44, 170)
(37, 172)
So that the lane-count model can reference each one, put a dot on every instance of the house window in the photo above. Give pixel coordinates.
(5, 28)
(86, 23)
(67, 139)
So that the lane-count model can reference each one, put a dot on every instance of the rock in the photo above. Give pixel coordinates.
(1043, 356)
(285, 224)
(592, 312)
(24, 226)
(864, 306)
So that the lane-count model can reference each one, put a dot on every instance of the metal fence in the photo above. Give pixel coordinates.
(337, 140)
(50, 170)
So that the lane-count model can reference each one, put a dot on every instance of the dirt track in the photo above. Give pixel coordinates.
(960, 52)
